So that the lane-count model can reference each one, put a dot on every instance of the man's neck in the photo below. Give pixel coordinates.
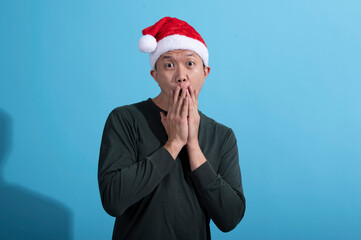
(161, 102)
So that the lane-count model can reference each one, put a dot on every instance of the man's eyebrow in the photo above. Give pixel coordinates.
(168, 56)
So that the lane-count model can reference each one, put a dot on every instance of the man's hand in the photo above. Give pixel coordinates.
(175, 123)
(195, 154)
(193, 119)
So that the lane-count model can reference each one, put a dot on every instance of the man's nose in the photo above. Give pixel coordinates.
(182, 78)
(183, 83)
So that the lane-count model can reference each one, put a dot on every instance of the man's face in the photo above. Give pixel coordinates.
(179, 68)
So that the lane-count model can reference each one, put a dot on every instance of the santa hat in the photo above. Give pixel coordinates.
(171, 34)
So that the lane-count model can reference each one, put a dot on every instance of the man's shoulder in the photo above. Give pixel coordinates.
(212, 124)
(128, 112)
(129, 108)
(213, 129)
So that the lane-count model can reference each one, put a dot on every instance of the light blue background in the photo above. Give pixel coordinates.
(285, 76)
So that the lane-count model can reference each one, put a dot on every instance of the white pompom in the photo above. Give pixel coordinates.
(147, 43)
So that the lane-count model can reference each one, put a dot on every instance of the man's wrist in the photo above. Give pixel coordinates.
(173, 148)
(193, 146)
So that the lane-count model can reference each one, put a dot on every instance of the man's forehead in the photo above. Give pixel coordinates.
(185, 52)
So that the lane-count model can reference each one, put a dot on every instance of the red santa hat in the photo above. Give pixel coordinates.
(171, 34)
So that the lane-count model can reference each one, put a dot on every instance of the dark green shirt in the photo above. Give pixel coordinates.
(154, 196)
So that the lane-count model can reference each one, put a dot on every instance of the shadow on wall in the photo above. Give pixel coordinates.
(25, 214)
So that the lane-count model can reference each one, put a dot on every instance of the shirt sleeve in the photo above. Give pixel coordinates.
(123, 178)
(222, 193)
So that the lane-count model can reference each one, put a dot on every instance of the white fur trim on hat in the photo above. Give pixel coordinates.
(176, 41)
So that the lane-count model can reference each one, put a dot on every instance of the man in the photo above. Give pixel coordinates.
(165, 168)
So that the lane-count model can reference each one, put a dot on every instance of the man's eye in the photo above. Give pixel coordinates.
(168, 65)
(190, 63)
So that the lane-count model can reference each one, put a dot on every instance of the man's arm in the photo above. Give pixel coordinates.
(123, 180)
(221, 193)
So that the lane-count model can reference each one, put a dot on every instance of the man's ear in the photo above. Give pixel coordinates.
(154, 74)
(206, 71)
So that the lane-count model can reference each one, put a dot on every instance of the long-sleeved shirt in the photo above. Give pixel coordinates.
(154, 196)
